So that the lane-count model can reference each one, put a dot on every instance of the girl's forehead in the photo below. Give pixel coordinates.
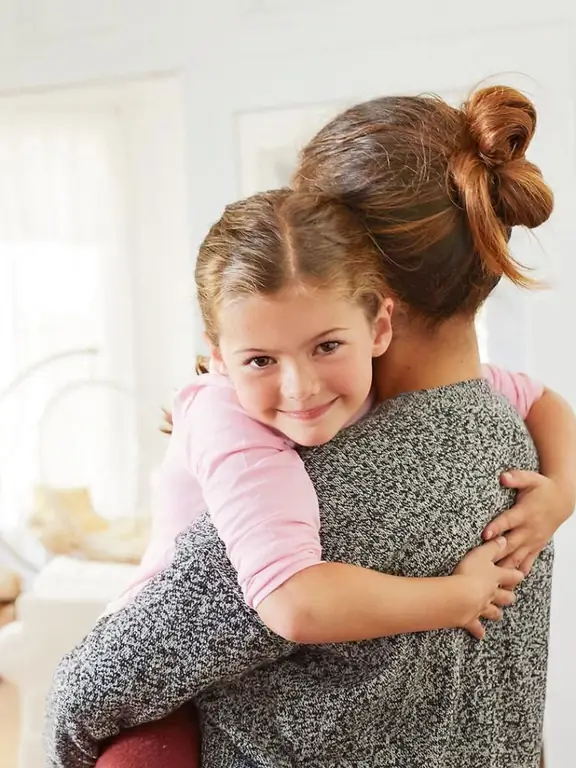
(290, 317)
(312, 300)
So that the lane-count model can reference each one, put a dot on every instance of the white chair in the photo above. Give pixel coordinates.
(62, 606)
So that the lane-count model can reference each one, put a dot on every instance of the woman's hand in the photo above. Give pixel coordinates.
(543, 504)
(489, 586)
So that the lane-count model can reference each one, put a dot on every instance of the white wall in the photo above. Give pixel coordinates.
(236, 56)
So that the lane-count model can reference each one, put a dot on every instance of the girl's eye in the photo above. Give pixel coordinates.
(260, 362)
(327, 347)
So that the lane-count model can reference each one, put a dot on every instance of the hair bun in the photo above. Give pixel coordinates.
(495, 183)
(499, 125)
(501, 122)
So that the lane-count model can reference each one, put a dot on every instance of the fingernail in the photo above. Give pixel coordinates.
(506, 476)
(488, 534)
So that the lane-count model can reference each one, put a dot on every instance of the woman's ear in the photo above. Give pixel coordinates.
(382, 328)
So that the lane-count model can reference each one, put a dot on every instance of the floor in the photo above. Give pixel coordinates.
(8, 726)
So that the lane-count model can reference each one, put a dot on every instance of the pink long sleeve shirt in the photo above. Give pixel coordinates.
(253, 483)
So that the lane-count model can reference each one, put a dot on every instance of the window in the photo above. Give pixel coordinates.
(65, 285)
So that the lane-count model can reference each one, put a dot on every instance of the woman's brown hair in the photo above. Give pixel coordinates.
(280, 239)
(438, 189)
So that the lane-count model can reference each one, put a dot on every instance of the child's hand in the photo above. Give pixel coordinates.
(488, 586)
(541, 507)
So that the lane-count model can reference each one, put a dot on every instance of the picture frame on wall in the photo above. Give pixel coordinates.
(269, 141)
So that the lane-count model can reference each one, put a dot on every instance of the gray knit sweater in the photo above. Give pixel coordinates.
(407, 491)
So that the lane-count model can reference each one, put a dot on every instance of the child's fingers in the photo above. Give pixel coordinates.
(521, 479)
(515, 539)
(504, 598)
(476, 629)
(516, 558)
(509, 578)
(529, 561)
(492, 613)
(508, 520)
(494, 549)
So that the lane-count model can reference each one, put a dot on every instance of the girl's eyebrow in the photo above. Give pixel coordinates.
(256, 351)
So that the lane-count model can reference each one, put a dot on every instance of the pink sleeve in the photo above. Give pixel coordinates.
(519, 389)
(177, 502)
(256, 488)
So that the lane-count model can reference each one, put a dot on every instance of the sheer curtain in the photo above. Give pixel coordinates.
(65, 285)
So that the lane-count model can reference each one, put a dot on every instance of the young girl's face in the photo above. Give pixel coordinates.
(301, 361)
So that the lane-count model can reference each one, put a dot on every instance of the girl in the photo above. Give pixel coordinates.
(232, 448)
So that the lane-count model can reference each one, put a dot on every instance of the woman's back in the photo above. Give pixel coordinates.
(434, 700)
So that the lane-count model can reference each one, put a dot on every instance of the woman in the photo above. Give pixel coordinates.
(438, 200)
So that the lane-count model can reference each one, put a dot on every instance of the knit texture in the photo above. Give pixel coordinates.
(407, 491)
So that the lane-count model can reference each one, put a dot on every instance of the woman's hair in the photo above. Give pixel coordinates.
(280, 239)
(438, 189)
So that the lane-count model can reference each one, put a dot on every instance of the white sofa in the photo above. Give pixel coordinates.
(55, 614)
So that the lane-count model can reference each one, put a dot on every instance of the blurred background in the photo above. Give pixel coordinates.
(125, 127)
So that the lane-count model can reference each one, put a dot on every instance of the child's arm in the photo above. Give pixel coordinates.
(552, 424)
(335, 602)
(265, 509)
(545, 500)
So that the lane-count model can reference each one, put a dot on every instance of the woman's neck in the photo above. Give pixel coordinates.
(419, 358)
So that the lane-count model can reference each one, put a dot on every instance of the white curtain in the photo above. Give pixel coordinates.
(65, 284)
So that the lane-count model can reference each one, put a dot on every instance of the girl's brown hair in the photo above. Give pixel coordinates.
(438, 189)
(280, 239)
(274, 240)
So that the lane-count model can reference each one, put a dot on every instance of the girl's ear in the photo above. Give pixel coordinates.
(216, 362)
(382, 328)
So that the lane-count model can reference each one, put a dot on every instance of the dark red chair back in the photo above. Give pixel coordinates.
(173, 742)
